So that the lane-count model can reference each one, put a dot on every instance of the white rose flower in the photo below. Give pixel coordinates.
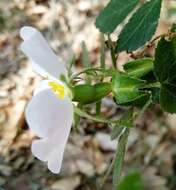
(49, 114)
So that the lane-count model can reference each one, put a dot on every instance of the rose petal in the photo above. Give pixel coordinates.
(56, 158)
(46, 112)
(43, 85)
(43, 58)
(51, 119)
(50, 150)
(41, 149)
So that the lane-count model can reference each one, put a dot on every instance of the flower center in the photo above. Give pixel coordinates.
(58, 89)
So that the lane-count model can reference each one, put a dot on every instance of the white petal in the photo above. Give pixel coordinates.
(43, 85)
(50, 150)
(41, 149)
(51, 119)
(55, 159)
(46, 111)
(38, 51)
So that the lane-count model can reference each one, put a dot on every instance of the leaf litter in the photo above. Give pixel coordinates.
(66, 24)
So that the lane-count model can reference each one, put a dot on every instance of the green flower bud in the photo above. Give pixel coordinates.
(86, 93)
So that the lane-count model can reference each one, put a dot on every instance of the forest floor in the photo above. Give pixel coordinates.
(152, 142)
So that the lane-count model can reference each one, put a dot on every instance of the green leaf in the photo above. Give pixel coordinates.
(120, 154)
(126, 89)
(116, 131)
(167, 100)
(164, 59)
(140, 27)
(132, 181)
(171, 88)
(113, 14)
(127, 119)
(139, 68)
(165, 71)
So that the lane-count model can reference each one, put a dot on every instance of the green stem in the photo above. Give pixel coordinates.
(113, 56)
(85, 71)
(147, 104)
(82, 113)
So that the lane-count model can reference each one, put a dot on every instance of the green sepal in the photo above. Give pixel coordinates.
(140, 102)
(126, 89)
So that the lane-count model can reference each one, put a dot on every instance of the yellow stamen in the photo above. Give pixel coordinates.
(58, 89)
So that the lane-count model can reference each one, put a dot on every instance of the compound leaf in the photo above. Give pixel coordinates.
(140, 27)
(164, 58)
(165, 71)
(167, 100)
(113, 14)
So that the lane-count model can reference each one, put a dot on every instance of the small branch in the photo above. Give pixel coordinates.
(113, 56)
(84, 71)
(99, 119)
(150, 44)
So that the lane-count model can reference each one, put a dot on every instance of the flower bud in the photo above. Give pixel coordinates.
(86, 93)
